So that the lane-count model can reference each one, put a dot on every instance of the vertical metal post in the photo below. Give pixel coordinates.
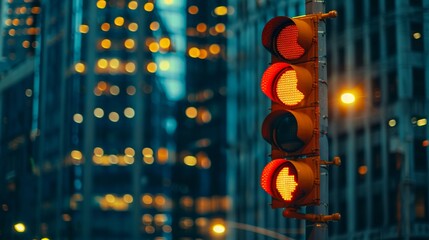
(319, 230)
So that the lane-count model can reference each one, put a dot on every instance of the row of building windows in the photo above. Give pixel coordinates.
(201, 205)
(162, 155)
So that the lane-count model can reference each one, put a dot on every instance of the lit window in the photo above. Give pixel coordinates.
(105, 27)
(191, 112)
(106, 43)
(119, 21)
(83, 28)
(203, 54)
(147, 152)
(79, 67)
(148, 7)
(194, 52)
(75, 154)
(114, 116)
(221, 10)
(220, 27)
(26, 44)
(133, 27)
(114, 90)
(131, 90)
(129, 43)
(133, 5)
(164, 65)
(154, 26)
(114, 63)
(193, 10)
(162, 155)
(98, 151)
(164, 42)
(129, 112)
(101, 4)
(190, 160)
(129, 152)
(214, 49)
(98, 112)
(201, 27)
(102, 63)
(77, 118)
(154, 47)
(130, 67)
(151, 67)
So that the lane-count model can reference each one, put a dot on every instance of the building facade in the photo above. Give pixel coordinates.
(91, 143)
(376, 49)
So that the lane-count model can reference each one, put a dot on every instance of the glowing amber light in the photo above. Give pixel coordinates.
(286, 184)
(287, 90)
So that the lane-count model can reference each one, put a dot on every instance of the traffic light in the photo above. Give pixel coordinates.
(292, 178)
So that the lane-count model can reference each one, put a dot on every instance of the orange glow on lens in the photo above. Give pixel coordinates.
(286, 88)
(286, 184)
(287, 43)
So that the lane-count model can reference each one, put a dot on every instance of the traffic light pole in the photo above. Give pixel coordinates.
(319, 230)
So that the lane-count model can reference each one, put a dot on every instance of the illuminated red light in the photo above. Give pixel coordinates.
(287, 43)
(279, 179)
(281, 84)
(286, 180)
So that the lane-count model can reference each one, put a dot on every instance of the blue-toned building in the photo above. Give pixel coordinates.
(378, 50)
(92, 99)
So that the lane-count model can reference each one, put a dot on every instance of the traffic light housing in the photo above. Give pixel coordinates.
(292, 178)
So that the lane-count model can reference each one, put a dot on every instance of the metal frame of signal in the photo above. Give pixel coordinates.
(292, 212)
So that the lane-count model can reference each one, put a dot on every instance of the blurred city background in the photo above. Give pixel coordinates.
(141, 119)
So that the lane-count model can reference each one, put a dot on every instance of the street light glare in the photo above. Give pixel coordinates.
(219, 228)
(348, 98)
(19, 227)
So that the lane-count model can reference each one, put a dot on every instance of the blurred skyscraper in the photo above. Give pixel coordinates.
(379, 50)
(93, 95)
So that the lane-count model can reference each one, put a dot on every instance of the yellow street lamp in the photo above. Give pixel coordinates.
(19, 227)
(348, 98)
